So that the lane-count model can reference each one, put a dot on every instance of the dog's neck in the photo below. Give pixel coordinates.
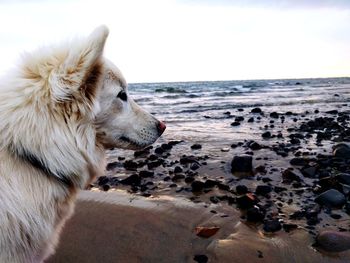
(67, 180)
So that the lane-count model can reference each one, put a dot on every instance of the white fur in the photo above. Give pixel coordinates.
(49, 109)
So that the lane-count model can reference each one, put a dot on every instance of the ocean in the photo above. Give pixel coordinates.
(202, 111)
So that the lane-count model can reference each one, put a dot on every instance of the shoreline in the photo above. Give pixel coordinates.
(273, 207)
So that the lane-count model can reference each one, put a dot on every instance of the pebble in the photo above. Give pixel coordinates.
(266, 135)
(255, 214)
(197, 186)
(331, 198)
(242, 165)
(273, 225)
(263, 190)
(256, 110)
(196, 146)
(342, 150)
(333, 241)
(200, 258)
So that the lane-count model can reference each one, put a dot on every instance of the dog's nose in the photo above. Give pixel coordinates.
(161, 127)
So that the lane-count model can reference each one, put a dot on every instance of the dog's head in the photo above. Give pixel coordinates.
(87, 78)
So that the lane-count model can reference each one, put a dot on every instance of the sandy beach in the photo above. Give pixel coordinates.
(278, 191)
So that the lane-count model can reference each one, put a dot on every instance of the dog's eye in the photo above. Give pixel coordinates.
(122, 95)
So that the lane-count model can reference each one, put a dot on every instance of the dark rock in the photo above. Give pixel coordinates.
(166, 147)
(210, 183)
(194, 166)
(344, 178)
(254, 146)
(189, 179)
(289, 176)
(294, 141)
(197, 186)
(279, 189)
(334, 112)
(263, 190)
(256, 110)
(188, 159)
(298, 161)
(130, 165)
(159, 150)
(236, 123)
(111, 166)
(146, 174)
(289, 227)
(241, 189)
(309, 171)
(196, 146)
(333, 241)
(273, 225)
(102, 180)
(178, 169)
(255, 214)
(251, 119)
(342, 150)
(246, 201)
(242, 165)
(274, 115)
(105, 187)
(331, 198)
(200, 258)
(214, 199)
(133, 179)
(142, 153)
(266, 135)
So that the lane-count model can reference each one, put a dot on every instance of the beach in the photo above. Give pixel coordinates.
(265, 163)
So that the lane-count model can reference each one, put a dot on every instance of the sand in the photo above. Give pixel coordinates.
(121, 227)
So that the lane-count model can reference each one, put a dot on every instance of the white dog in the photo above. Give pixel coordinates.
(59, 110)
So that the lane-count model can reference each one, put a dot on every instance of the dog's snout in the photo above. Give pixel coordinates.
(161, 127)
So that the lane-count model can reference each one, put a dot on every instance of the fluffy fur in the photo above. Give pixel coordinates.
(59, 110)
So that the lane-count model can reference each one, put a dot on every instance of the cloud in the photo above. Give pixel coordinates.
(279, 4)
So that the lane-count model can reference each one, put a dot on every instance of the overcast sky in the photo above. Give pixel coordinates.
(184, 40)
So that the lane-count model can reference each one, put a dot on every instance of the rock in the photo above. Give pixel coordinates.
(344, 178)
(196, 146)
(111, 166)
(159, 150)
(263, 190)
(274, 115)
(236, 123)
(342, 150)
(189, 179)
(241, 189)
(146, 174)
(289, 227)
(246, 201)
(272, 225)
(331, 198)
(166, 146)
(197, 186)
(254, 146)
(225, 149)
(333, 241)
(255, 214)
(206, 232)
(102, 180)
(309, 171)
(200, 258)
(194, 166)
(178, 177)
(333, 112)
(142, 153)
(105, 187)
(130, 165)
(210, 183)
(298, 161)
(251, 119)
(289, 176)
(133, 179)
(266, 135)
(178, 169)
(239, 119)
(256, 110)
(242, 165)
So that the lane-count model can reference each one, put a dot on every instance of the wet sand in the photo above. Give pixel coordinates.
(119, 227)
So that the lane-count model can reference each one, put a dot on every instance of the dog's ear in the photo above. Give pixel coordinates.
(80, 71)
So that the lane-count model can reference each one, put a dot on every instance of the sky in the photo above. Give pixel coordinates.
(191, 40)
